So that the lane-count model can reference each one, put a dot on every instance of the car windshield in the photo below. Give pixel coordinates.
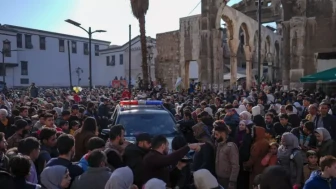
(153, 124)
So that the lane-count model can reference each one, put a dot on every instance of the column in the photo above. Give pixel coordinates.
(233, 70)
(233, 44)
(248, 58)
(270, 66)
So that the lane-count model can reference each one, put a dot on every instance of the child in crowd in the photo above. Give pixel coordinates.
(271, 158)
(74, 126)
(64, 125)
(311, 166)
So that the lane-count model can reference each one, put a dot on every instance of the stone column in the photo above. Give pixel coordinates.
(270, 66)
(218, 59)
(233, 45)
(248, 58)
(233, 70)
(285, 61)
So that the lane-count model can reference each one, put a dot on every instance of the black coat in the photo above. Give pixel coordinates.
(205, 158)
(186, 129)
(133, 158)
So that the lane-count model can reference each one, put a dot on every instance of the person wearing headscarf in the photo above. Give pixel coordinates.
(247, 117)
(325, 144)
(203, 179)
(240, 109)
(243, 141)
(290, 158)
(121, 178)
(155, 183)
(55, 177)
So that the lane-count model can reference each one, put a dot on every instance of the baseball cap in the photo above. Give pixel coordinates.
(143, 137)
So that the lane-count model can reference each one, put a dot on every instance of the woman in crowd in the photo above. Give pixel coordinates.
(203, 179)
(84, 134)
(243, 141)
(55, 177)
(290, 158)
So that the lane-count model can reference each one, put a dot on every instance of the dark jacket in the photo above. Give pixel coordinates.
(205, 158)
(93, 178)
(133, 158)
(294, 120)
(45, 155)
(328, 123)
(186, 129)
(156, 165)
(280, 129)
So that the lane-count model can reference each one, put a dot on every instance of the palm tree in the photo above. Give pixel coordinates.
(139, 10)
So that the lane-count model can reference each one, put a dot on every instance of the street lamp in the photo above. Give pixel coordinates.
(89, 32)
(150, 56)
(79, 71)
(5, 49)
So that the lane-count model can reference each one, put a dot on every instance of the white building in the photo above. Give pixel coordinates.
(42, 57)
(117, 58)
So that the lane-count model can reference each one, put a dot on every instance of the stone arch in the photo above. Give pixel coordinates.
(229, 26)
(228, 15)
(245, 29)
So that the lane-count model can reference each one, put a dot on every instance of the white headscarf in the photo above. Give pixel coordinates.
(155, 183)
(203, 179)
(121, 178)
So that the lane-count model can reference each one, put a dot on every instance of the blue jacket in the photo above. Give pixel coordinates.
(317, 182)
(83, 163)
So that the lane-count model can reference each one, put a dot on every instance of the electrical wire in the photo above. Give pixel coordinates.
(195, 7)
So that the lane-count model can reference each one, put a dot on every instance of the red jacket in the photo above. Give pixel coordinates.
(76, 98)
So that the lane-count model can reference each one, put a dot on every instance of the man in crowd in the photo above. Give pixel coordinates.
(134, 154)
(96, 175)
(30, 147)
(66, 148)
(114, 150)
(157, 161)
(324, 178)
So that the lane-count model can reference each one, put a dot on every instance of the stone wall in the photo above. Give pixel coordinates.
(167, 68)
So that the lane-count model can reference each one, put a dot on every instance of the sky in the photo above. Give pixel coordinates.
(114, 16)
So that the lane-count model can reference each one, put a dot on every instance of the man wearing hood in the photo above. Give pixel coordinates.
(204, 159)
(324, 178)
(134, 154)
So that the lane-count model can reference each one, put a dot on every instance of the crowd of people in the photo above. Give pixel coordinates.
(269, 139)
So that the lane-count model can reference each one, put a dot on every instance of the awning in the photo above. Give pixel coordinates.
(228, 76)
(324, 76)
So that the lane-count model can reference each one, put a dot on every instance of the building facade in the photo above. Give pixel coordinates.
(117, 59)
(43, 57)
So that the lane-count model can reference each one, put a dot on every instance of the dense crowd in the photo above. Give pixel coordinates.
(271, 139)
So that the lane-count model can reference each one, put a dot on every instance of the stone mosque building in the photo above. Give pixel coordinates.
(303, 43)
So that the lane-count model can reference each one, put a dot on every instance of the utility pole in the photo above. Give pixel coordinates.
(69, 62)
(130, 59)
(259, 43)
